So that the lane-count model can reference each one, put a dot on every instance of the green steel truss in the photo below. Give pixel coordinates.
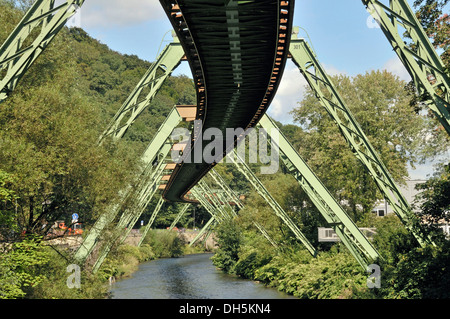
(152, 157)
(212, 222)
(40, 24)
(408, 39)
(264, 193)
(45, 20)
(231, 196)
(330, 209)
(205, 231)
(180, 214)
(158, 207)
(139, 99)
(321, 84)
(147, 189)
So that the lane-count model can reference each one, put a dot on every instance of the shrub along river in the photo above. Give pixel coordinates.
(188, 277)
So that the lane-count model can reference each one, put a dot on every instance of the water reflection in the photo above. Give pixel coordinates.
(188, 277)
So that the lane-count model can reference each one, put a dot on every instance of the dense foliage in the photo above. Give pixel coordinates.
(51, 166)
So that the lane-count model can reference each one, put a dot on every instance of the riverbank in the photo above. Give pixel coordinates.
(189, 277)
(158, 244)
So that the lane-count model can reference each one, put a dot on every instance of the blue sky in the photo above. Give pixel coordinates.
(340, 31)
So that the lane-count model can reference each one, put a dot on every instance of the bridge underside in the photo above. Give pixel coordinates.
(237, 52)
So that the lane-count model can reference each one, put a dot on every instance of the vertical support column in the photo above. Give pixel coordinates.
(419, 58)
(17, 58)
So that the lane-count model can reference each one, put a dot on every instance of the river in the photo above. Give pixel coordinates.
(188, 277)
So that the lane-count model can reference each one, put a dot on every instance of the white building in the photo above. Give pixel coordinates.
(409, 191)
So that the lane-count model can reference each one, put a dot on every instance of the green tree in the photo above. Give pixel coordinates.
(436, 24)
(229, 239)
(382, 107)
(433, 201)
(20, 267)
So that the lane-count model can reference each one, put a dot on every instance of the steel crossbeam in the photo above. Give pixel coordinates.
(323, 88)
(330, 209)
(16, 56)
(416, 53)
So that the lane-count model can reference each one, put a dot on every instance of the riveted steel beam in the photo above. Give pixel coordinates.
(324, 89)
(16, 55)
(331, 210)
(416, 53)
(137, 101)
(264, 193)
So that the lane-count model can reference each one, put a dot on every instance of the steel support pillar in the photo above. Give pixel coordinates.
(168, 60)
(151, 157)
(264, 193)
(180, 214)
(322, 86)
(330, 209)
(15, 56)
(416, 53)
(158, 207)
(131, 215)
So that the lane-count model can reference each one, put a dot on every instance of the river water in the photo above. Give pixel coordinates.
(188, 277)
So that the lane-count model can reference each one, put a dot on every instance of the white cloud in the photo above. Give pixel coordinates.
(289, 93)
(332, 71)
(396, 67)
(119, 13)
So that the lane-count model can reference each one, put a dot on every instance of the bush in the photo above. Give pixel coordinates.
(421, 273)
(229, 239)
(331, 275)
(164, 244)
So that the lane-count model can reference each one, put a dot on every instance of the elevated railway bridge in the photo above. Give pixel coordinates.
(237, 51)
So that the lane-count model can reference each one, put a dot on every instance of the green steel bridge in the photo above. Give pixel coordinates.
(237, 51)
